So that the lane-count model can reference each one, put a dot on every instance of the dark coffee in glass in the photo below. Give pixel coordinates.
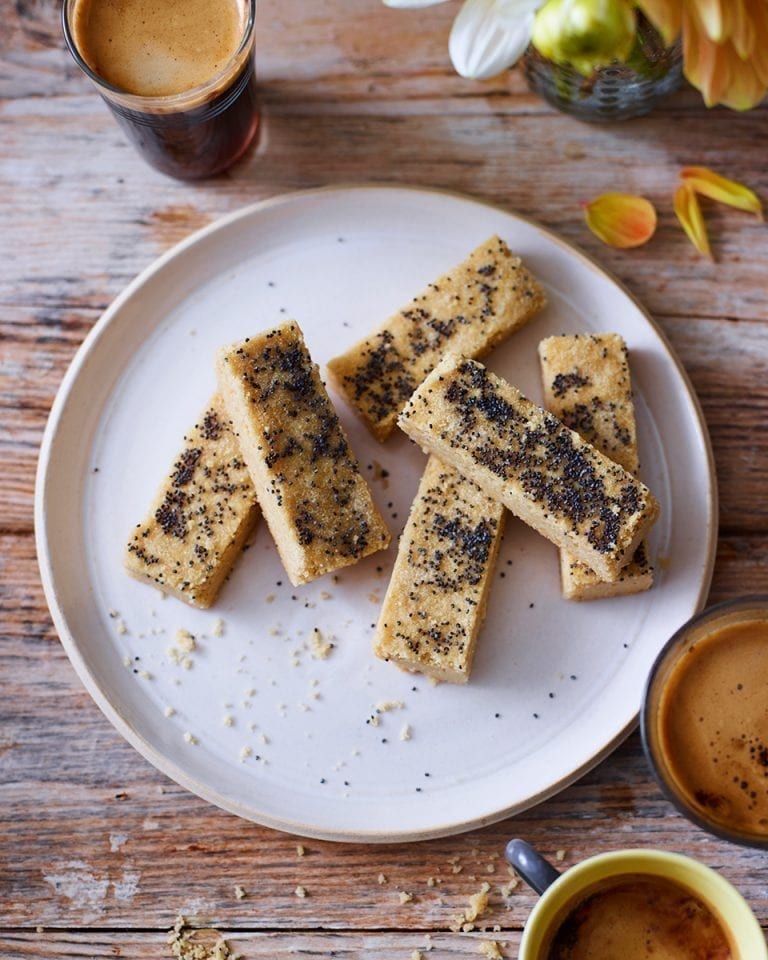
(177, 74)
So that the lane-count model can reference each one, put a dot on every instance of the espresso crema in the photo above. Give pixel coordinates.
(158, 48)
(713, 726)
(638, 917)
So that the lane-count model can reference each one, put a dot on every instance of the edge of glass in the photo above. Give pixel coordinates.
(137, 100)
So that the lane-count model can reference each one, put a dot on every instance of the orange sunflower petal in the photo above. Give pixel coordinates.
(741, 29)
(665, 15)
(716, 187)
(745, 87)
(706, 64)
(689, 214)
(710, 14)
(621, 219)
(759, 57)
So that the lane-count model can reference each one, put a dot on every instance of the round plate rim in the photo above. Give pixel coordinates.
(68, 641)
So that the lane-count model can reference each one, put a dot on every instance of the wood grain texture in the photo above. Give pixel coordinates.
(50, 945)
(94, 842)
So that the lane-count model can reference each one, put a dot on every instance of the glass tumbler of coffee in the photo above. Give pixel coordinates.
(178, 75)
(704, 720)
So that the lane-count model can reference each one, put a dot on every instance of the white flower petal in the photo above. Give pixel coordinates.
(490, 35)
(401, 4)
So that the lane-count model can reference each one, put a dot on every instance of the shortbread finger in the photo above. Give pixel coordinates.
(318, 507)
(201, 516)
(524, 457)
(437, 595)
(468, 310)
(587, 386)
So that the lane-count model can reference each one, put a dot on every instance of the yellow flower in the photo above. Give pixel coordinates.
(725, 46)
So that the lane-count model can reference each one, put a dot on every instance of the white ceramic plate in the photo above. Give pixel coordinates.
(259, 726)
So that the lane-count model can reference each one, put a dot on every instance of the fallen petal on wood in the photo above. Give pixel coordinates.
(688, 211)
(621, 219)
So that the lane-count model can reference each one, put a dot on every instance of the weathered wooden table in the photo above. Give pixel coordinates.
(99, 852)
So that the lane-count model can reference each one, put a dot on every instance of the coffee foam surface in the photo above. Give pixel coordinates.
(714, 726)
(155, 48)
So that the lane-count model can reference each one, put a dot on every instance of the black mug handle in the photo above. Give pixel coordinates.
(532, 867)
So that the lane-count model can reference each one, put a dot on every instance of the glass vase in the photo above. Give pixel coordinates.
(617, 91)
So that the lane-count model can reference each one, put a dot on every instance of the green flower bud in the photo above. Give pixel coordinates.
(585, 33)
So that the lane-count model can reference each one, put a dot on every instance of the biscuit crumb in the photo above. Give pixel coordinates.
(218, 628)
(478, 904)
(240, 892)
(381, 879)
(320, 647)
(169, 711)
(204, 944)
(560, 856)
(404, 897)
(245, 752)
(491, 950)
(384, 706)
(507, 888)
(300, 851)
(185, 640)
(190, 738)
(417, 955)
(300, 892)
(229, 720)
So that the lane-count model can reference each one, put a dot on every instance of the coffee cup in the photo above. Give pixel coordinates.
(634, 905)
(704, 720)
(178, 77)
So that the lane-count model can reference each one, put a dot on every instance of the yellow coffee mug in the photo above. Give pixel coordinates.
(561, 892)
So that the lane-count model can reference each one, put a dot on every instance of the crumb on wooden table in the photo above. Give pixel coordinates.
(477, 906)
(188, 943)
(491, 950)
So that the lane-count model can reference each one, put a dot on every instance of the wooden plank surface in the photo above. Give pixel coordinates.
(98, 848)
(50, 945)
